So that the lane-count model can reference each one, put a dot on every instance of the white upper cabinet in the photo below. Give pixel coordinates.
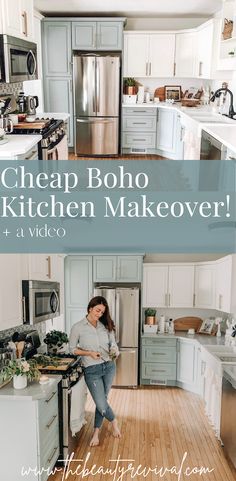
(168, 285)
(181, 286)
(185, 54)
(18, 18)
(149, 54)
(223, 284)
(204, 295)
(161, 55)
(204, 51)
(136, 55)
(155, 285)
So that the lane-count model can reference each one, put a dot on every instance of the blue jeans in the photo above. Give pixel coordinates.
(98, 378)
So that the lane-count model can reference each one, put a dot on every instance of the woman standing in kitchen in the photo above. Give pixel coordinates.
(93, 339)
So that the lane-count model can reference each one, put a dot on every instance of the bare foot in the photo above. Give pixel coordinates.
(95, 439)
(115, 430)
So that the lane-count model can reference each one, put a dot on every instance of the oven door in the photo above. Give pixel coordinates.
(70, 442)
(20, 60)
(58, 151)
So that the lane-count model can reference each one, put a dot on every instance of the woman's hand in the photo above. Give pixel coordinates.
(95, 355)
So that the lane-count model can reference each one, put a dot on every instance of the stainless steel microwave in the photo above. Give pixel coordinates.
(41, 301)
(18, 60)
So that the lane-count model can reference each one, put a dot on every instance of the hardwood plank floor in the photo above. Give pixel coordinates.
(120, 157)
(158, 427)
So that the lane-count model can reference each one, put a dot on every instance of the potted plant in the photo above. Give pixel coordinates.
(129, 86)
(56, 341)
(21, 370)
(150, 316)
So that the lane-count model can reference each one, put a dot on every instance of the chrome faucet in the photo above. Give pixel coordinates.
(217, 93)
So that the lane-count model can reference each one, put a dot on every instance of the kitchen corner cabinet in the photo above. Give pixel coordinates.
(158, 361)
(18, 18)
(57, 68)
(185, 55)
(189, 366)
(117, 268)
(78, 287)
(97, 35)
(223, 284)
(38, 424)
(186, 364)
(181, 286)
(204, 50)
(166, 132)
(204, 291)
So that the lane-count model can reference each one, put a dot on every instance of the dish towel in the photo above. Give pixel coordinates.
(77, 408)
(62, 149)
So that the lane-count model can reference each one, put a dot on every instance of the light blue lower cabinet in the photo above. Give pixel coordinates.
(138, 142)
(158, 362)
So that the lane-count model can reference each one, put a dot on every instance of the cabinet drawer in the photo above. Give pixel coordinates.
(158, 342)
(137, 111)
(49, 461)
(159, 371)
(159, 354)
(48, 406)
(48, 441)
(32, 154)
(137, 123)
(142, 140)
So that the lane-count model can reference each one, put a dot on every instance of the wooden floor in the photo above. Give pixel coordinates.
(121, 157)
(158, 427)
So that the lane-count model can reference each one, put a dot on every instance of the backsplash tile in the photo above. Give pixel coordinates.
(14, 88)
(41, 328)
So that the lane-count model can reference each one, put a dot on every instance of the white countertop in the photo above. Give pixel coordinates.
(18, 145)
(224, 133)
(32, 392)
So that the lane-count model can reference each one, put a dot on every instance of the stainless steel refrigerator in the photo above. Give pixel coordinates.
(124, 308)
(96, 103)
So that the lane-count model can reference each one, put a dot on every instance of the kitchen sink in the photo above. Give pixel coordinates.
(216, 119)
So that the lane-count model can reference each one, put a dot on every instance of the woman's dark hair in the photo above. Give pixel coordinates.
(105, 318)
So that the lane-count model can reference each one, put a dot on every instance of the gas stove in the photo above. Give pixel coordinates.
(69, 367)
(42, 126)
(52, 131)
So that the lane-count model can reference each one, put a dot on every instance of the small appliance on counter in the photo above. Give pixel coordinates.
(27, 343)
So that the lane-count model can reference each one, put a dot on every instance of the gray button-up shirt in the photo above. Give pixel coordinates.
(85, 336)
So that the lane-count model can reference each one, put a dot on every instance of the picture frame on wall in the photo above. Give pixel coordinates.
(207, 326)
(173, 92)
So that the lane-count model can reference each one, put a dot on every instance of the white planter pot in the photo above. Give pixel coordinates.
(20, 382)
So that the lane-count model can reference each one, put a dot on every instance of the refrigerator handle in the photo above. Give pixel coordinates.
(117, 319)
(97, 87)
(94, 87)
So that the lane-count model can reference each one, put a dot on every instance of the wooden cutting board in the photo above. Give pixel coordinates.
(31, 125)
(160, 92)
(186, 323)
(62, 365)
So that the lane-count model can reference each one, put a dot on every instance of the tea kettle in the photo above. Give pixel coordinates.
(31, 104)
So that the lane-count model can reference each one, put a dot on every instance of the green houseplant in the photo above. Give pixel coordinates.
(129, 86)
(150, 316)
(56, 341)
